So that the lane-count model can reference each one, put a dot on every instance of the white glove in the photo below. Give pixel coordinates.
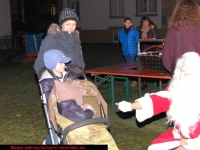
(124, 106)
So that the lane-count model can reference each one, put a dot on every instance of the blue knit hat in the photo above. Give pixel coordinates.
(67, 14)
(52, 57)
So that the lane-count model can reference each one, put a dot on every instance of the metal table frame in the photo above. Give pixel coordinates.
(123, 71)
(110, 79)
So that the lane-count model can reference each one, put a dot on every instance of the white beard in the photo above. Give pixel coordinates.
(184, 110)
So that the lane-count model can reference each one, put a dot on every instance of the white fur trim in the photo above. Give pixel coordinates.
(147, 108)
(176, 134)
(164, 146)
(147, 105)
(45, 75)
(63, 75)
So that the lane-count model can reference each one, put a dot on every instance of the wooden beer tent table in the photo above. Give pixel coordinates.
(125, 70)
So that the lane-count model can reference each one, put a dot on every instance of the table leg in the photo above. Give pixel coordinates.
(95, 80)
(127, 90)
(127, 86)
(160, 84)
(109, 94)
(139, 87)
(112, 91)
(155, 85)
(100, 80)
(111, 97)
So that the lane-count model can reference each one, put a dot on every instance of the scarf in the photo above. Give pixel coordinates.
(127, 30)
(144, 32)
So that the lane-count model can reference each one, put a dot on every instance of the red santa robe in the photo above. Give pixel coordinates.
(153, 104)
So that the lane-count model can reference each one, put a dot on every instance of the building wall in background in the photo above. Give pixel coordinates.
(167, 9)
(95, 25)
(5, 19)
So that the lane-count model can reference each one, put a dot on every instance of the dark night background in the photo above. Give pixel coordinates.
(32, 16)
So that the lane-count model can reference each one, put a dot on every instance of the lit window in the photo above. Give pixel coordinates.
(147, 6)
(53, 9)
(117, 7)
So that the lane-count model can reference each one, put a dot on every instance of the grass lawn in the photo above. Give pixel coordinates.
(23, 122)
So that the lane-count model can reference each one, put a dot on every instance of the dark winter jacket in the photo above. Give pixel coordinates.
(152, 33)
(46, 80)
(57, 39)
(67, 108)
(173, 49)
(129, 41)
(71, 110)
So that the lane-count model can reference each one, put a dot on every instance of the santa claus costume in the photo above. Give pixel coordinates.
(181, 102)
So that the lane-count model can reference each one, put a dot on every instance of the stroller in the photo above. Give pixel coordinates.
(90, 131)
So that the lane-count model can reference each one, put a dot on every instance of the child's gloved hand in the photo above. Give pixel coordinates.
(88, 106)
(124, 106)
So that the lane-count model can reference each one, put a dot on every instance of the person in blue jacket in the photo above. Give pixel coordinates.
(128, 37)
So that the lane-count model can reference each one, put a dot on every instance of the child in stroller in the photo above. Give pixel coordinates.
(56, 70)
(69, 102)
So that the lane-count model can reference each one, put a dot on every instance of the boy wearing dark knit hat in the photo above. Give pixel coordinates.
(63, 37)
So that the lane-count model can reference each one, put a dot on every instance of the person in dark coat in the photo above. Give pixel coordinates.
(147, 29)
(62, 37)
(186, 19)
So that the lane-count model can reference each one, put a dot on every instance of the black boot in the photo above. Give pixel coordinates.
(144, 85)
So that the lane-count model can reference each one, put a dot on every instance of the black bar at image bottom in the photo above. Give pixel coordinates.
(54, 147)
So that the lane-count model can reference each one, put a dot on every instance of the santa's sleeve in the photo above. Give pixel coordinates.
(153, 104)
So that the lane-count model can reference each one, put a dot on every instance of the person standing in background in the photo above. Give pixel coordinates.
(183, 33)
(147, 29)
(128, 37)
(62, 37)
